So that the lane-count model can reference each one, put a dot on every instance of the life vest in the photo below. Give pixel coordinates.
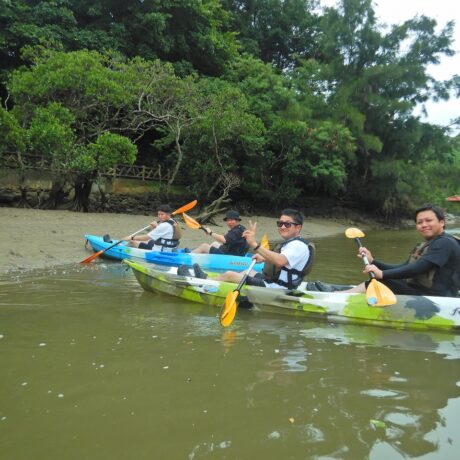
(271, 272)
(426, 279)
(170, 242)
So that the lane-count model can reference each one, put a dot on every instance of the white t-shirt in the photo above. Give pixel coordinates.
(162, 230)
(297, 254)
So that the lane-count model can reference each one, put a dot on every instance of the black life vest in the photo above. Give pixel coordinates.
(271, 272)
(170, 242)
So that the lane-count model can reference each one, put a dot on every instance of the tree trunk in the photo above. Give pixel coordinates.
(82, 191)
(23, 203)
(180, 156)
(56, 195)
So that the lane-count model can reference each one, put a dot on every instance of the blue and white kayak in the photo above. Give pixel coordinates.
(212, 262)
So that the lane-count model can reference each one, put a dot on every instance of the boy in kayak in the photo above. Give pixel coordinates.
(433, 267)
(232, 243)
(164, 236)
(285, 266)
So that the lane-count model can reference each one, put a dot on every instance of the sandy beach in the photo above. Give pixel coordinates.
(32, 238)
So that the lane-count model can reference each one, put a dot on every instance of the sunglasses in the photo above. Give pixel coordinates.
(281, 223)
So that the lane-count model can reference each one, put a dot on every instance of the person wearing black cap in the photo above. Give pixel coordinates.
(232, 242)
(164, 236)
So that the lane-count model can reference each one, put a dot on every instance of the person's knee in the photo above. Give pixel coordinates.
(203, 248)
(228, 276)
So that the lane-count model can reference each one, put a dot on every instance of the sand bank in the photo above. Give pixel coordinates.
(31, 238)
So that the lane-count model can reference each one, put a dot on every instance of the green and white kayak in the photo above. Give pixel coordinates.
(167, 281)
(410, 312)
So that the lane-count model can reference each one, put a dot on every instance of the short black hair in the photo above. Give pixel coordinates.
(439, 212)
(296, 215)
(165, 208)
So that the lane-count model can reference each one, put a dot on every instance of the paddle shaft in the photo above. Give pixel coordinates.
(245, 277)
(364, 257)
(130, 236)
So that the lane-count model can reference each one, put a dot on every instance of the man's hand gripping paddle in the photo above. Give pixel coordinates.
(377, 294)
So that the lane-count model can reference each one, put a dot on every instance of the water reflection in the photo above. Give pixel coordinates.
(353, 399)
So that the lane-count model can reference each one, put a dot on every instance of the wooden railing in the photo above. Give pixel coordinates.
(136, 172)
(127, 171)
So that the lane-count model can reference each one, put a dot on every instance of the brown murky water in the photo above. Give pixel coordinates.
(92, 367)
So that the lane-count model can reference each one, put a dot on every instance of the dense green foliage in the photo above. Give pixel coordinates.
(278, 101)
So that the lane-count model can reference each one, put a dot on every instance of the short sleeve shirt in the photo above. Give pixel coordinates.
(162, 230)
(297, 254)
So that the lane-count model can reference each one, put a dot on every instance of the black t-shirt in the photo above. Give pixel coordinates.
(444, 252)
(235, 243)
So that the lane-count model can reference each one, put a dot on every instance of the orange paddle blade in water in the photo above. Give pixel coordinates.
(229, 310)
(92, 257)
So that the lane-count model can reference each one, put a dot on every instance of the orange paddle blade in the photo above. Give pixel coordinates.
(186, 207)
(92, 257)
(378, 295)
(229, 310)
(353, 232)
(264, 242)
(191, 222)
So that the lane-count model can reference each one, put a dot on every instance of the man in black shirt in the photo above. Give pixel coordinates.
(433, 267)
(231, 243)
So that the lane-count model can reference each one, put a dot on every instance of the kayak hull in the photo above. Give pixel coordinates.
(208, 291)
(410, 312)
(213, 262)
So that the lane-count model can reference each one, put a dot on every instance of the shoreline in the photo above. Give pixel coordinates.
(36, 238)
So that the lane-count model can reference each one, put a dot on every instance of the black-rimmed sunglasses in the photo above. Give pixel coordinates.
(280, 223)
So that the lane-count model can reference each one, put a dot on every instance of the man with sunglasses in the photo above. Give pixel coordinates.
(286, 265)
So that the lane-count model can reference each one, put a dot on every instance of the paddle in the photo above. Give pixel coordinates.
(184, 208)
(377, 294)
(229, 309)
(264, 242)
(192, 223)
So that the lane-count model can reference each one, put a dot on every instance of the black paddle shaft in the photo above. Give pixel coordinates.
(365, 259)
(245, 277)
